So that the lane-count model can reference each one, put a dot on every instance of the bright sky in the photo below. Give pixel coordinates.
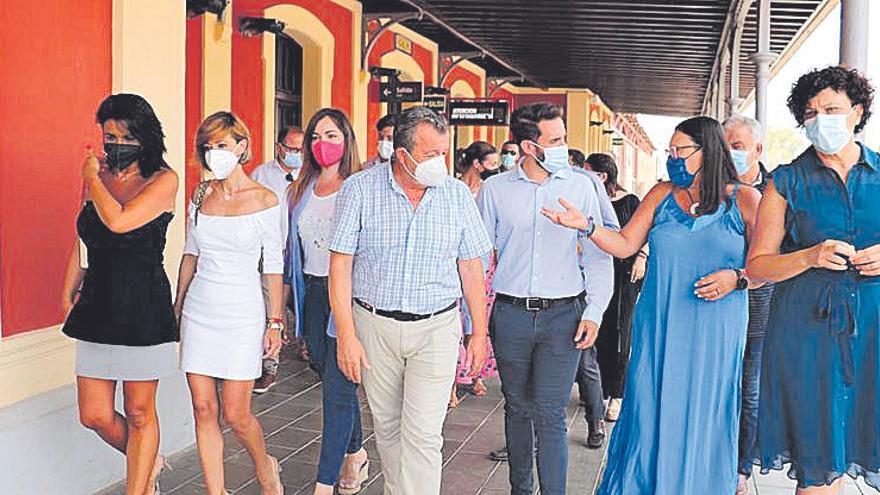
(819, 50)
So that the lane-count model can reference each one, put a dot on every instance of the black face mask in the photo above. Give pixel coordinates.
(485, 174)
(120, 156)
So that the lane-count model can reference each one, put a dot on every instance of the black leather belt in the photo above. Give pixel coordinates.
(537, 303)
(400, 315)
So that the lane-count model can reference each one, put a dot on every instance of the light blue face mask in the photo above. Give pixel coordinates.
(555, 158)
(293, 160)
(829, 133)
(740, 161)
(507, 162)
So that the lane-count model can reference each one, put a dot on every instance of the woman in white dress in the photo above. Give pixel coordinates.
(233, 229)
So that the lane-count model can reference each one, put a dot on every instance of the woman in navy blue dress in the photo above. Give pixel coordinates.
(819, 239)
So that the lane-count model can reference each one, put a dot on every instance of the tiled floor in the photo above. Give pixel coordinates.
(291, 419)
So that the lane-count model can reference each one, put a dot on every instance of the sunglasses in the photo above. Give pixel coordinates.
(508, 152)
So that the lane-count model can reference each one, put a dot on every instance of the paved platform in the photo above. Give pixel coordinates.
(291, 417)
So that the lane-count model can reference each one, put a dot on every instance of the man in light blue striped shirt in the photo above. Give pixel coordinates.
(552, 289)
(407, 243)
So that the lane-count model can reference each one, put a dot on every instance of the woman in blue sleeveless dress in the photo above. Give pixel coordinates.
(819, 239)
(678, 429)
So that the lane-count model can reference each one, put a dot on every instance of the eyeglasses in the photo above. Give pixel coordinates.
(508, 152)
(675, 151)
(288, 149)
(811, 114)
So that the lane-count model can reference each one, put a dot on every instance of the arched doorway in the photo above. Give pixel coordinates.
(316, 50)
(288, 83)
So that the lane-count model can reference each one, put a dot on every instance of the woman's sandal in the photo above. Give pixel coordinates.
(160, 465)
(479, 388)
(276, 471)
(454, 401)
(351, 487)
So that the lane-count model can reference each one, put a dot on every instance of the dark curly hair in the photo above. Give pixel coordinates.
(838, 78)
(142, 123)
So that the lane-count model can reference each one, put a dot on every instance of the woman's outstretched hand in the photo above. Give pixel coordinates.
(571, 217)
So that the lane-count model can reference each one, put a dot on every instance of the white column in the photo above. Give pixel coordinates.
(854, 34)
(762, 61)
(720, 106)
(734, 100)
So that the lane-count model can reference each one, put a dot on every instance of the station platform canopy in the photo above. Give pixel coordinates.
(639, 56)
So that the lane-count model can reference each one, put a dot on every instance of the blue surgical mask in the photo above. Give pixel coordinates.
(828, 133)
(678, 172)
(740, 161)
(507, 162)
(555, 158)
(293, 160)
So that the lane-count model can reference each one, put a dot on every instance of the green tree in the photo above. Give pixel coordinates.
(784, 144)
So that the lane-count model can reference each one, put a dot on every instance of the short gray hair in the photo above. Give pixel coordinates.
(754, 126)
(408, 121)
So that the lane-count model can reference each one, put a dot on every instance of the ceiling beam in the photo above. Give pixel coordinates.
(738, 9)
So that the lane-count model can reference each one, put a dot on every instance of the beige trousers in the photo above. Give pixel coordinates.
(413, 368)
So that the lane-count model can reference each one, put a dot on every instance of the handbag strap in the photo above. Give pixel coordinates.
(200, 198)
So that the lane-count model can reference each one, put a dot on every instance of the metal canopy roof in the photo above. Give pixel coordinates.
(639, 56)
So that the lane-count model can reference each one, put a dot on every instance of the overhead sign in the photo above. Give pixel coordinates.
(436, 90)
(406, 91)
(436, 103)
(403, 43)
(478, 112)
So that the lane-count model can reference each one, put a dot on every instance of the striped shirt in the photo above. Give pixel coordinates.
(405, 259)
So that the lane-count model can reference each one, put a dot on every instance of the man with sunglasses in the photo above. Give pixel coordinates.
(277, 175)
(509, 155)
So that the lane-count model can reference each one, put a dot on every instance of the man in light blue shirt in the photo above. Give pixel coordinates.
(407, 244)
(552, 289)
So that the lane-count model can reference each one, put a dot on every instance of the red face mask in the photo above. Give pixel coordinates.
(327, 153)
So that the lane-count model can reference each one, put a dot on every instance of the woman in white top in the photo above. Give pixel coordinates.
(329, 156)
(234, 230)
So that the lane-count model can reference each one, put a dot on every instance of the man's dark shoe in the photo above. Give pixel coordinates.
(499, 455)
(596, 435)
(266, 381)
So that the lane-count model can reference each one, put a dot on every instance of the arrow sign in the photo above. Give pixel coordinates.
(406, 92)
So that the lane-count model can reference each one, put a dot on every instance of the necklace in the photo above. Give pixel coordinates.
(694, 204)
(128, 173)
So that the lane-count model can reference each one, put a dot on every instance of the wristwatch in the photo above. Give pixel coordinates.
(591, 227)
(742, 282)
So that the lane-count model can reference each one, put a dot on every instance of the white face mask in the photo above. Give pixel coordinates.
(386, 148)
(829, 133)
(555, 157)
(221, 163)
(431, 172)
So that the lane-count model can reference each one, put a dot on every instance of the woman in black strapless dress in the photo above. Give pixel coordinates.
(117, 297)
(613, 343)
